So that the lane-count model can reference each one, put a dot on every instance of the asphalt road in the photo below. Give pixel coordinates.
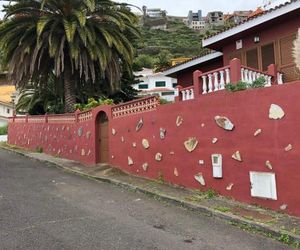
(42, 207)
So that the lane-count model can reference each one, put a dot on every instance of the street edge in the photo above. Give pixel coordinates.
(232, 219)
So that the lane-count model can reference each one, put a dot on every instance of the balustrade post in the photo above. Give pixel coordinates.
(272, 70)
(210, 83)
(235, 70)
(222, 81)
(77, 112)
(204, 85)
(197, 83)
(26, 118)
(228, 79)
(46, 118)
(179, 97)
(216, 81)
(243, 74)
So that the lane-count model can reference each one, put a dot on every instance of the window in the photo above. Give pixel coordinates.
(160, 84)
(175, 85)
(7, 111)
(168, 93)
(252, 58)
(143, 86)
(268, 56)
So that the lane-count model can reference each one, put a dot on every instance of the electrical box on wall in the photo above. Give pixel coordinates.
(216, 160)
(263, 185)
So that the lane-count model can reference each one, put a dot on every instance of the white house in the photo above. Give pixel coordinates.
(151, 83)
(6, 111)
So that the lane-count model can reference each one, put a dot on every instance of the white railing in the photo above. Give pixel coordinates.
(187, 94)
(249, 75)
(216, 80)
(279, 78)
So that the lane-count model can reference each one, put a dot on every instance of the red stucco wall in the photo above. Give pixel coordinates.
(248, 110)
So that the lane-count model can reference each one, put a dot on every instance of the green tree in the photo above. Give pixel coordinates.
(163, 61)
(143, 61)
(78, 40)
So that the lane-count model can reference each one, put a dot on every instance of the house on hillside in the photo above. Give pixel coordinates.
(261, 46)
(151, 83)
(6, 104)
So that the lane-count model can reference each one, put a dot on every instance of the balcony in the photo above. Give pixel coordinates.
(216, 80)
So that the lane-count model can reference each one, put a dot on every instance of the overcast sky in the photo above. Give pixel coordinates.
(181, 7)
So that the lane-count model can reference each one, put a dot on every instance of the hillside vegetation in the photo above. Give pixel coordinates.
(157, 47)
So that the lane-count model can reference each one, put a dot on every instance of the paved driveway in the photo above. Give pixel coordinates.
(42, 207)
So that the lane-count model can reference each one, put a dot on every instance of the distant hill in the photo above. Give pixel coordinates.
(177, 41)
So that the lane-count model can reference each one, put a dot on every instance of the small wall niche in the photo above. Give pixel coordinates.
(263, 185)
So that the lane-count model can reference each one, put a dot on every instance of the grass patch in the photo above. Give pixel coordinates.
(222, 209)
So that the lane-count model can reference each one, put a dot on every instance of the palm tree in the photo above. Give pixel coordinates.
(74, 39)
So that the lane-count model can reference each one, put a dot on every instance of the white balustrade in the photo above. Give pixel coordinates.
(188, 94)
(222, 81)
(227, 75)
(210, 83)
(204, 85)
(279, 78)
(216, 81)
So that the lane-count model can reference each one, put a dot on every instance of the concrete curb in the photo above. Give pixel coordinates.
(259, 227)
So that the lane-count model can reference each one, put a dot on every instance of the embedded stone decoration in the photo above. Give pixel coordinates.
(162, 133)
(134, 144)
(122, 139)
(229, 187)
(139, 125)
(224, 123)
(288, 148)
(214, 140)
(276, 112)
(172, 153)
(191, 144)
(199, 177)
(88, 134)
(176, 172)
(158, 157)
(237, 156)
(283, 207)
(82, 152)
(113, 157)
(113, 132)
(130, 161)
(269, 165)
(257, 132)
(202, 125)
(145, 166)
(179, 121)
(80, 131)
(89, 153)
(145, 143)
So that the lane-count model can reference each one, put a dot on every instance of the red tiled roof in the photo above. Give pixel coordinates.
(251, 17)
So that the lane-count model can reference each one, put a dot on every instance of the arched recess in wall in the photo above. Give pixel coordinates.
(102, 138)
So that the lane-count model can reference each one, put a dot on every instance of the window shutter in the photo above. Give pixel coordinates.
(252, 58)
(268, 56)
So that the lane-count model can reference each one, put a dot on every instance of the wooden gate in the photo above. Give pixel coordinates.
(103, 138)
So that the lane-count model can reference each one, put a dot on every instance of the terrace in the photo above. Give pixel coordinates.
(216, 80)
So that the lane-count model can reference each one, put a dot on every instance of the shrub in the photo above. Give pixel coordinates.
(92, 103)
(259, 83)
(3, 130)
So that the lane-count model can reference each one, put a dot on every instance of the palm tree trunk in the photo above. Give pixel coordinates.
(70, 98)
